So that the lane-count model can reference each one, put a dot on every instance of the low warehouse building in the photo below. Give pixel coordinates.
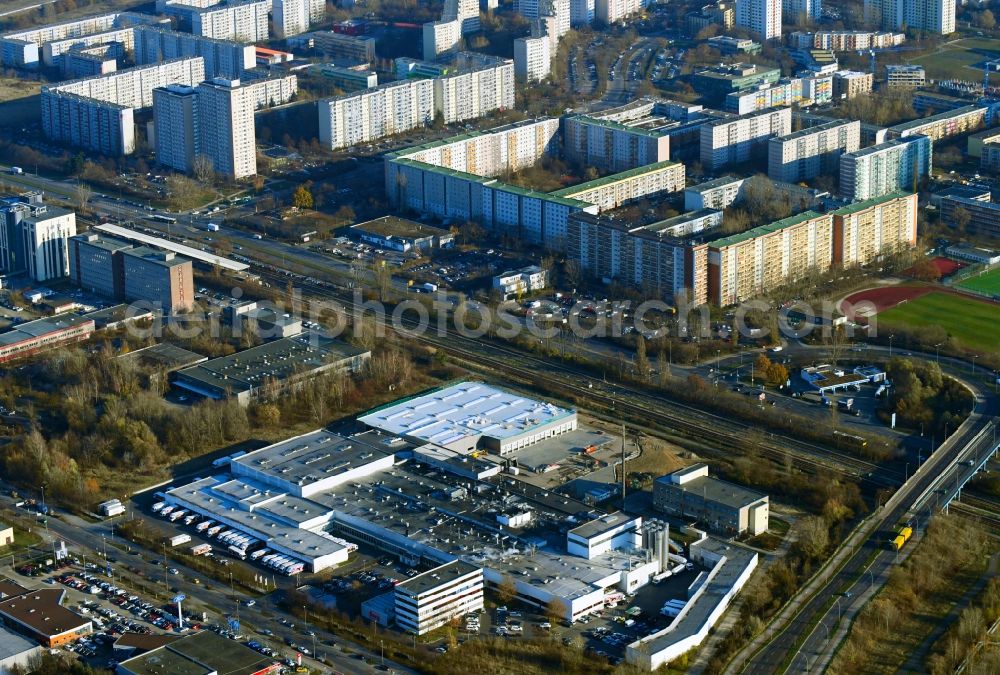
(399, 234)
(270, 368)
(202, 653)
(472, 415)
(16, 651)
(41, 616)
(715, 504)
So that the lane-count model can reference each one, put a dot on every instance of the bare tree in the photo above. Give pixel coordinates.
(83, 195)
(203, 169)
(383, 278)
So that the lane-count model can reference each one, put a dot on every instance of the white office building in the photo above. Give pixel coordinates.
(45, 235)
(441, 37)
(792, 10)
(242, 22)
(532, 58)
(432, 599)
(935, 16)
(732, 141)
(762, 17)
(900, 164)
(812, 151)
(386, 110)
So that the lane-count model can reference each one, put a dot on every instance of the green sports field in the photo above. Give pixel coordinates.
(971, 322)
(960, 59)
(988, 282)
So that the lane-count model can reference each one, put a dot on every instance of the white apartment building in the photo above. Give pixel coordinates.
(466, 12)
(242, 22)
(614, 11)
(735, 140)
(582, 12)
(23, 48)
(561, 10)
(813, 151)
(441, 37)
(292, 17)
(226, 127)
(223, 58)
(812, 10)
(97, 113)
(45, 243)
(611, 145)
(532, 58)
(899, 164)
(935, 16)
(485, 85)
(432, 599)
(762, 17)
(364, 116)
(177, 126)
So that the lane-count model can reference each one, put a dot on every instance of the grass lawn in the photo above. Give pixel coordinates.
(988, 282)
(970, 322)
(961, 59)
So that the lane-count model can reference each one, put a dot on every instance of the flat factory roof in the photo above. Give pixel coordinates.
(448, 415)
(42, 611)
(601, 525)
(319, 454)
(164, 355)
(40, 327)
(203, 652)
(275, 361)
(401, 228)
(719, 491)
(12, 644)
(188, 251)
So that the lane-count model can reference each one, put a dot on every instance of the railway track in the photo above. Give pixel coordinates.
(984, 510)
(620, 398)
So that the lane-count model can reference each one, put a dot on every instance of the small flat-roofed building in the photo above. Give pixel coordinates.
(400, 234)
(982, 256)
(525, 280)
(612, 532)
(975, 142)
(713, 503)
(429, 600)
(270, 367)
(201, 653)
(905, 76)
(16, 650)
(6, 538)
(164, 356)
(40, 615)
(473, 415)
(977, 193)
(380, 608)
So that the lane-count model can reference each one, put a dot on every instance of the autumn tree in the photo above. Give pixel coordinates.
(506, 589)
(302, 198)
(642, 367)
(555, 610)
(776, 374)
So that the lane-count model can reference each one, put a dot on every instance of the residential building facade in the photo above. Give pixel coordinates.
(899, 164)
(762, 17)
(813, 151)
(864, 231)
(933, 16)
(737, 140)
(532, 58)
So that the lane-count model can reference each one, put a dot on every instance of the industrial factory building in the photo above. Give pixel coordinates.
(715, 504)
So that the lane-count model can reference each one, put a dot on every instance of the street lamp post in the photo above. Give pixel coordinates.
(890, 345)
(937, 353)
(976, 356)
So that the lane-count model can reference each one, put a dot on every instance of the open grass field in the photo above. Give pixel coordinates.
(988, 282)
(971, 322)
(961, 59)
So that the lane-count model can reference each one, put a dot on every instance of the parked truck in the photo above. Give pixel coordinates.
(201, 549)
(179, 539)
(212, 227)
